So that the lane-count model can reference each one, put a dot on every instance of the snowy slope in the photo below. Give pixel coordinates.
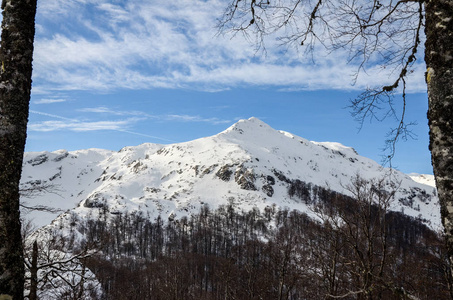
(423, 178)
(249, 164)
(68, 176)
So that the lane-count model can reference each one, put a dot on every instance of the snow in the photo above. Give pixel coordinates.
(424, 179)
(178, 179)
(70, 174)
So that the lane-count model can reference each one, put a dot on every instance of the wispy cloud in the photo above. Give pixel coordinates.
(52, 115)
(187, 118)
(49, 101)
(79, 126)
(163, 117)
(122, 125)
(71, 124)
(168, 44)
(106, 110)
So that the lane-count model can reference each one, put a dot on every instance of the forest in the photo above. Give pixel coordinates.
(349, 248)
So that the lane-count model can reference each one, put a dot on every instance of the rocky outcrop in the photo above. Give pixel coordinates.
(245, 178)
(225, 172)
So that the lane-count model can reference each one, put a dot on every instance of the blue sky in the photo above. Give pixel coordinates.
(111, 73)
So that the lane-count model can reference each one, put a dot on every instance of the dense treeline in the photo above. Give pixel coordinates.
(224, 254)
(349, 248)
(354, 249)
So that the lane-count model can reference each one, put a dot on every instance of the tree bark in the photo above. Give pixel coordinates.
(34, 273)
(439, 78)
(16, 53)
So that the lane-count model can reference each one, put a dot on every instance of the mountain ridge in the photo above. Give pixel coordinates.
(249, 164)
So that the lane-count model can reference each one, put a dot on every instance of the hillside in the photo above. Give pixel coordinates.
(249, 165)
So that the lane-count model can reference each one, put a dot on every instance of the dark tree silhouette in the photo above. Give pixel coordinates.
(16, 54)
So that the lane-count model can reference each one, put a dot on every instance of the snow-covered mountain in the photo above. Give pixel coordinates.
(249, 165)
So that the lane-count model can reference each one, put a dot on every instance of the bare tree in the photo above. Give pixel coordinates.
(385, 33)
(55, 268)
(439, 77)
(355, 254)
(16, 54)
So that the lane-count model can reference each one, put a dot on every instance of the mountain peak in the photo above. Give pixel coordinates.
(251, 124)
(254, 120)
(253, 131)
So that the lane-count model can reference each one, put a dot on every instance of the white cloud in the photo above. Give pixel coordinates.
(52, 116)
(83, 126)
(187, 118)
(164, 117)
(49, 101)
(47, 126)
(168, 44)
(106, 110)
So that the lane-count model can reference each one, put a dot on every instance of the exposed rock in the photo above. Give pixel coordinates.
(270, 180)
(93, 203)
(139, 166)
(224, 173)
(245, 178)
(268, 190)
(210, 169)
(57, 175)
(280, 176)
(40, 159)
(61, 156)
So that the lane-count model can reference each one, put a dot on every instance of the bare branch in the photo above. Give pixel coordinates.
(347, 295)
(375, 33)
(369, 103)
(43, 208)
(36, 189)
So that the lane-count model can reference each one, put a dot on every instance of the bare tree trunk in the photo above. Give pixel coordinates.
(16, 55)
(439, 78)
(34, 273)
